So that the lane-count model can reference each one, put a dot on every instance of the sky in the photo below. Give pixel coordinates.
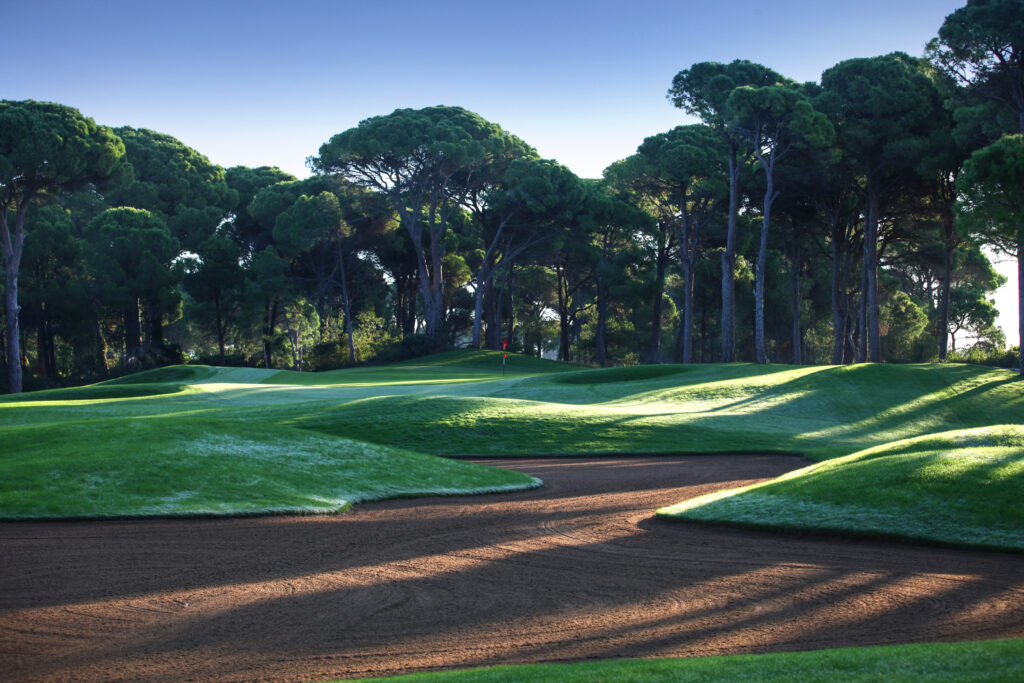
(266, 83)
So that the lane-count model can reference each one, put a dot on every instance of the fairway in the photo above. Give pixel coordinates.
(575, 570)
(200, 441)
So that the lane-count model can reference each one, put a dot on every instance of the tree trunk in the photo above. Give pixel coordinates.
(511, 329)
(563, 317)
(427, 264)
(871, 272)
(849, 313)
(797, 302)
(862, 320)
(156, 326)
(1020, 304)
(45, 360)
(409, 322)
(346, 303)
(687, 325)
(51, 351)
(3, 344)
(729, 260)
(269, 323)
(492, 301)
(433, 302)
(677, 357)
(704, 333)
(13, 246)
(293, 341)
(482, 280)
(760, 351)
(659, 291)
(132, 335)
(838, 317)
(478, 311)
(400, 307)
(947, 266)
(220, 329)
(600, 351)
(41, 343)
(101, 347)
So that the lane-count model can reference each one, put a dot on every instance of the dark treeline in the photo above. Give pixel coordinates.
(833, 222)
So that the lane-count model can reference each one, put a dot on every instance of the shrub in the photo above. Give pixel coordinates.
(984, 354)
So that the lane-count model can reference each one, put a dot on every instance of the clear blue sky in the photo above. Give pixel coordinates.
(266, 83)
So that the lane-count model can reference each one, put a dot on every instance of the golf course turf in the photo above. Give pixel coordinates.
(989, 661)
(928, 453)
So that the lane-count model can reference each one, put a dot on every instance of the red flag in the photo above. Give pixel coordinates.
(504, 344)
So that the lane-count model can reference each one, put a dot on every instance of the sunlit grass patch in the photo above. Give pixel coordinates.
(458, 403)
(443, 368)
(992, 660)
(96, 392)
(634, 373)
(174, 373)
(170, 467)
(963, 487)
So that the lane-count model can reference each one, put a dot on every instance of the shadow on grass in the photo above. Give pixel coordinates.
(94, 392)
(827, 412)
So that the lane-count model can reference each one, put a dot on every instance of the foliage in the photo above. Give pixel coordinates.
(174, 182)
(409, 347)
(437, 222)
(983, 354)
(704, 89)
(992, 193)
(45, 149)
(903, 321)
(982, 45)
(425, 162)
(49, 148)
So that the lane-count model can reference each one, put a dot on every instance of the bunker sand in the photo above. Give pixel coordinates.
(577, 569)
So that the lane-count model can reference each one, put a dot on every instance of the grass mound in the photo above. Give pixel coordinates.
(173, 373)
(165, 466)
(820, 412)
(95, 392)
(961, 487)
(487, 361)
(458, 403)
(992, 660)
(635, 373)
(441, 368)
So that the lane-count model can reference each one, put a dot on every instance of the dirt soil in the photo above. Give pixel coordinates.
(577, 569)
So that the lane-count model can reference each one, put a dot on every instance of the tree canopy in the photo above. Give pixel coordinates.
(45, 149)
(845, 220)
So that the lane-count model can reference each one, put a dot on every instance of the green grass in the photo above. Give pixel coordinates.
(929, 452)
(167, 466)
(821, 412)
(196, 440)
(176, 373)
(445, 368)
(924, 452)
(994, 660)
(625, 374)
(961, 488)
